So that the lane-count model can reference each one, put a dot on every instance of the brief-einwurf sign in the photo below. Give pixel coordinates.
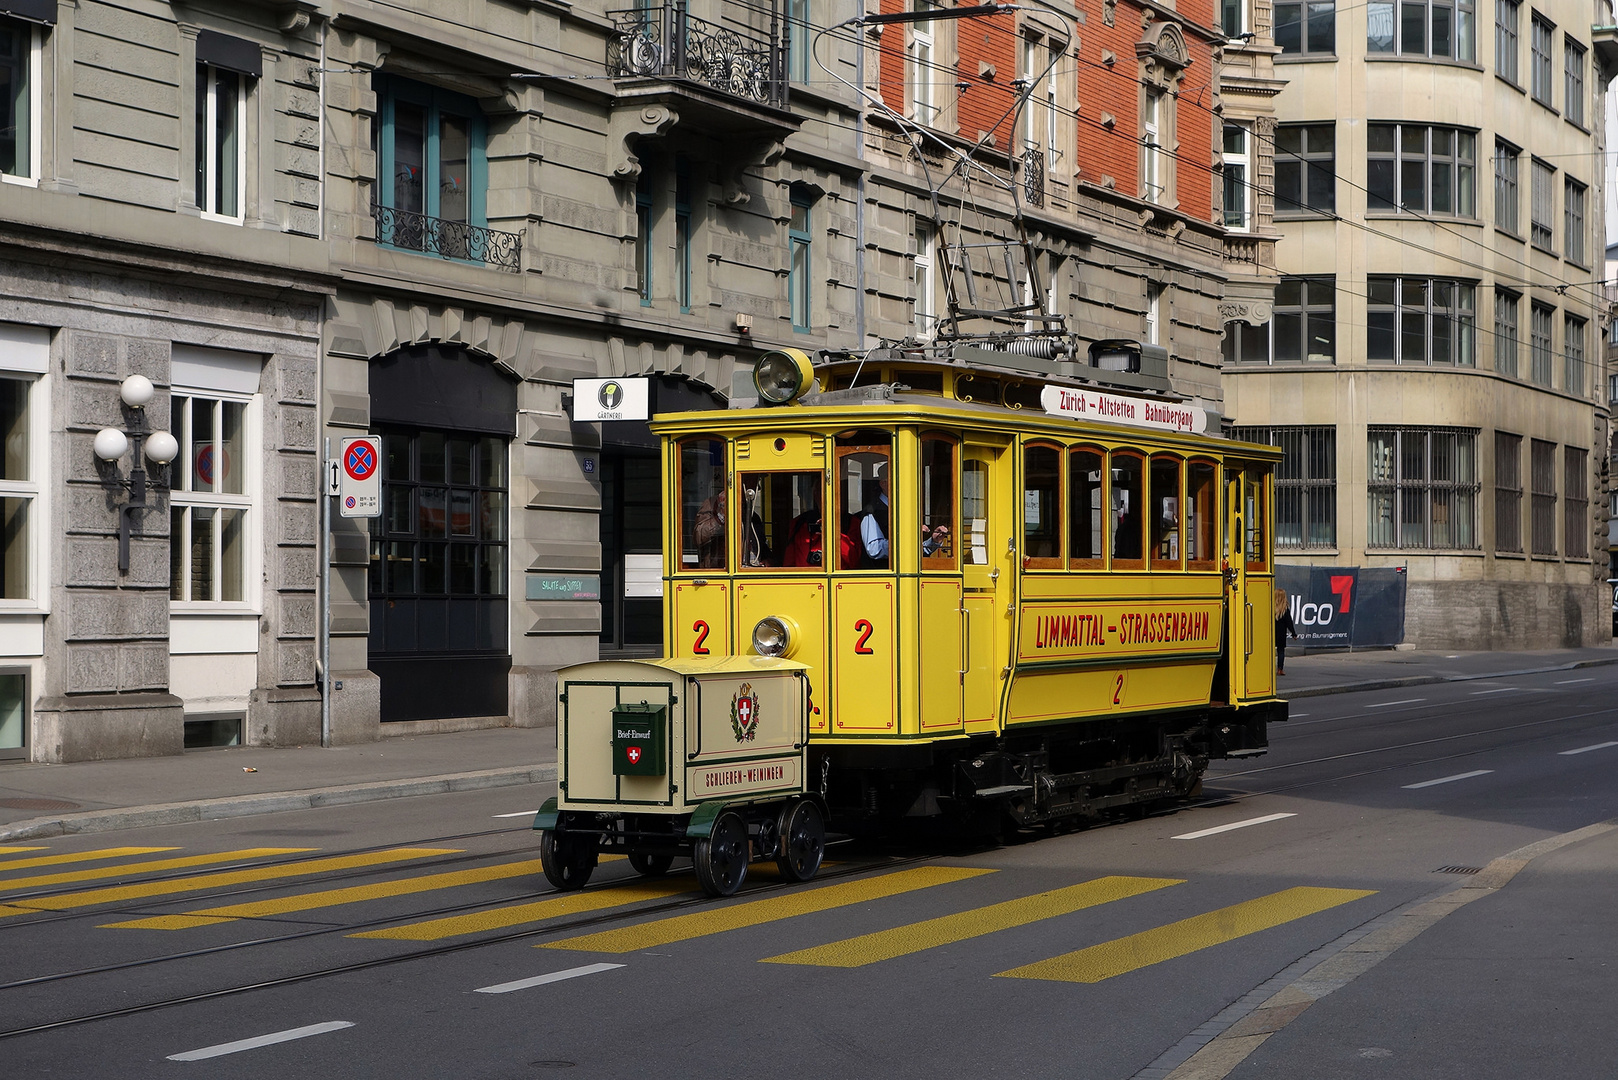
(359, 477)
(612, 399)
(1116, 409)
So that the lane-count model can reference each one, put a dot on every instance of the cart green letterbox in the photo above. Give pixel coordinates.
(640, 740)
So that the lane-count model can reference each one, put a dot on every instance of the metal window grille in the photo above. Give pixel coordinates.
(1542, 478)
(1505, 332)
(1421, 321)
(1507, 492)
(1573, 355)
(1573, 221)
(1506, 189)
(1422, 488)
(1540, 45)
(1542, 206)
(1305, 484)
(1575, 503)
(1539, 345)
(1305, 168)
(1505, 39)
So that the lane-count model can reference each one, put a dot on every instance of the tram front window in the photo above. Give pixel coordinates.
(781, 521)
(863, 458)
(937, 503)
(703, 513)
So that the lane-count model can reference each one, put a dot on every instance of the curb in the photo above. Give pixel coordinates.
(1428, 680)
(180, 813)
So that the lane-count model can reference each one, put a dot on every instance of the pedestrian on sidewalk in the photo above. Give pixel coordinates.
(1283, 626)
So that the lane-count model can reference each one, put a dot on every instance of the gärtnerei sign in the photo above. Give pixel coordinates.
(1116, 409)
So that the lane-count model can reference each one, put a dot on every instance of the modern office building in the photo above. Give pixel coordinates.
(1432, 369)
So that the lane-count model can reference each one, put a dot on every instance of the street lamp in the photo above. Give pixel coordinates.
(110, 445)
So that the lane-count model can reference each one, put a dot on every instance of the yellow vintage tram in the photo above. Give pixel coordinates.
(942, 590)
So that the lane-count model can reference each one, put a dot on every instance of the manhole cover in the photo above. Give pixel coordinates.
(38, 804)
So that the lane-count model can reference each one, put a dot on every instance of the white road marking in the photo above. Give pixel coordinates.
(1570, 682)
(1403, 701)
(1587, 749)
(262, 1040)
(1297, 716)
(541, 980)
(519, 813)
(1449, 779)
(1498, 690)
(1233, 825)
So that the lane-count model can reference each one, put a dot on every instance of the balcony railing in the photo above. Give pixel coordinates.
(664, 41)
(448, 239)
(1033, 177)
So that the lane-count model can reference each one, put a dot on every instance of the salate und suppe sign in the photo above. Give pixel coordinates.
(1117, 409)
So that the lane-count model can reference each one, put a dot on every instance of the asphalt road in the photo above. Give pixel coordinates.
(416, 938)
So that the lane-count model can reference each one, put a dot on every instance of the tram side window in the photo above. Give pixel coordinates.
(937, 503)
(1042, 506)
(863, 459)
(975, 513)
(1163, 520)
(1086, 525)
(781, 523)
(703, 513)
(1253, 498)
(1202, 522)
(1127, 496)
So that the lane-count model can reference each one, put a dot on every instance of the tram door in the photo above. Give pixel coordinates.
(988, 579)
(1251, 629)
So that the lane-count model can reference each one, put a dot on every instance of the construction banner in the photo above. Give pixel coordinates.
(1345, 607)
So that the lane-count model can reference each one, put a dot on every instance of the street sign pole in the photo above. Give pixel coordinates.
(328, 480)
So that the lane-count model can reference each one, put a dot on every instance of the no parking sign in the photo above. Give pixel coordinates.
(359, 480)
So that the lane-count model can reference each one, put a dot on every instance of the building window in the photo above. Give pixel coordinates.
(1506, 188)
(1542, 475)
(221, 142)
(643, 236)
(1305, 484)
(1540, 47)
(1421, 28)
(20, 73)
(682, 236)
(1505, 332)
(1573, 221)
(1540, 344)
(211, 504)
(1506, 40)
(1421, 321)
(1238, 163)
(1306, 27)
(1507, 492)
(1246, 343)
(1154, 314)
(1305, 169)
(1040, 111)
(924, 108)
(801, 39)
(1423, 488)
(1305, 320)
(1612, 389)
(432, 162)
(1542, 206)
(21, 457)
(1573, 81)
(926, 312)
(1154, 162)
(1415, 169)
(1573, 355)
(1575, 503)
(798, 276)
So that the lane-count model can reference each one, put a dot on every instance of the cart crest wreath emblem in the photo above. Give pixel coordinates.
(744, 713)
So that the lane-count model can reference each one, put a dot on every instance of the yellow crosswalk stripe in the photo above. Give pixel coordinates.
(353, 894)
(151, 866)
(120, 893)
(538, 911)
(1126, 954)
(77, 856)
(757, 912)
(917, 937)
(17, 850)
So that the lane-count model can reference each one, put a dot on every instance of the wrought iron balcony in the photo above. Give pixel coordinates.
(1033, 177)
(665, 41)
(411, 231)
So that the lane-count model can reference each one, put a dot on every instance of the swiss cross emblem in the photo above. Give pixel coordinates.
(744, 713)
(633, 754)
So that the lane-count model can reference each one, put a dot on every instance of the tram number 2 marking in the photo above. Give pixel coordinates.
(698, 648)
(865, 630)
(1118, 690)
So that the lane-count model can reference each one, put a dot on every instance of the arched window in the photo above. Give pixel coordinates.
(1042, 506)
(1087, 531)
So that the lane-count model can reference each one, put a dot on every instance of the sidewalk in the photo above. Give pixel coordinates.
(99, 796)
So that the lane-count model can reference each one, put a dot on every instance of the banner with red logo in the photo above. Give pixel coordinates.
(1345, 607)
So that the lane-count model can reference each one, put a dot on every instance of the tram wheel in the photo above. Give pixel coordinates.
(721, 859)
(567, 860)
(803, 841)
(650, 865)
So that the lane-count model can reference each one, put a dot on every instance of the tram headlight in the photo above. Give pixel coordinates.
(773, 636)
(782, 374)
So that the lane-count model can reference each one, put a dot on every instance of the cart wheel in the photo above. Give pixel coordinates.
(567, 860)
(721, 860)
(650, 865)
(803, 840)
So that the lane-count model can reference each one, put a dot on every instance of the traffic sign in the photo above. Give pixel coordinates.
(359, 477)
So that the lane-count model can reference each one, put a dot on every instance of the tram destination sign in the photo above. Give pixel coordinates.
(1116, 409)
